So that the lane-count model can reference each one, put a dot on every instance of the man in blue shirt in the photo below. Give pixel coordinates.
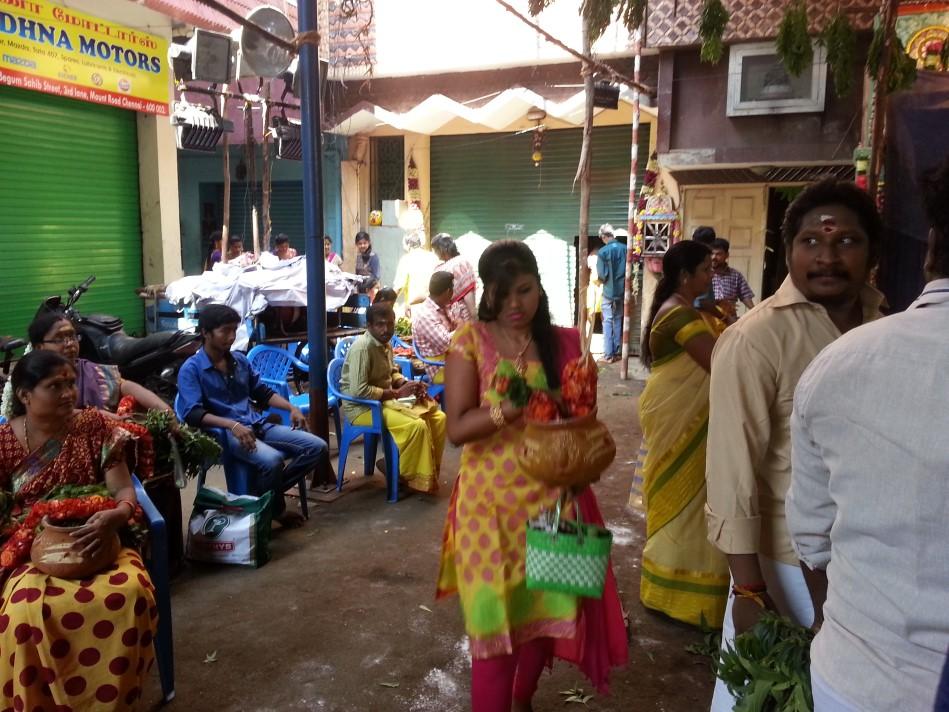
(215, 390)
(611, 269)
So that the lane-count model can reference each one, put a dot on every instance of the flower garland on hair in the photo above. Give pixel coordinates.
(66, 503)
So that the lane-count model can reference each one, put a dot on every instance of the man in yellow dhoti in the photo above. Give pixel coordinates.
(412, 418)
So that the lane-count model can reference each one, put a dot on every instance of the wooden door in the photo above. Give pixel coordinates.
(739, 215)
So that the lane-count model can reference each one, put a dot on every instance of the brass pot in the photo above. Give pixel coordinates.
(53, 553)
(566, 453)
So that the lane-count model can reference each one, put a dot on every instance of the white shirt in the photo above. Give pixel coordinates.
(869, 501)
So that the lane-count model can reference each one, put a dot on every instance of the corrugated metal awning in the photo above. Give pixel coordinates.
(763, 174)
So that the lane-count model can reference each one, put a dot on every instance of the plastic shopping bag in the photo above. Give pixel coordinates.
(230, 529)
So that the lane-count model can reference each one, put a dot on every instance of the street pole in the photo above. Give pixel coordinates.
(632, 210)
(309, 68)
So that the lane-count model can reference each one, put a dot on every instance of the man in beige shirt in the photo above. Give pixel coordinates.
(832, 236)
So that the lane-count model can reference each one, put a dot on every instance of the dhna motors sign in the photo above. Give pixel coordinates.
(49, 48)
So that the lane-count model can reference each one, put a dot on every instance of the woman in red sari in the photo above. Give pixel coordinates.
(72, 644)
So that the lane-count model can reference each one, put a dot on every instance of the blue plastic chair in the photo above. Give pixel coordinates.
(404, 364)
(274, 365)
(342, 348)
(237, 473)
(371, 435)
(157, 564)
(435, 390)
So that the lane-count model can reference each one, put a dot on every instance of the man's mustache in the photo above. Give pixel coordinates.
(837, 273)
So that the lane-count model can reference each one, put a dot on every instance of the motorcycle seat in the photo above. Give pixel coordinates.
(123, 349)
(9, 343)
(103, 322)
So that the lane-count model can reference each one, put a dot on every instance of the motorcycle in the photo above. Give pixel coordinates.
(151, 360)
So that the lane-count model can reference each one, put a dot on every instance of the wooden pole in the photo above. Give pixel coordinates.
(583, 171)
(251, 153)
(880, 96)
(266, 177)
(631, 211)
(225, 147)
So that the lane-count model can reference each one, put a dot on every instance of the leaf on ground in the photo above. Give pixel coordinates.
(211, 657)
(389, 684)
(425, 608)
(575, 695)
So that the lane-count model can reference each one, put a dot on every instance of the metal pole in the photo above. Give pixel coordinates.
(313, 228)
(632, 210)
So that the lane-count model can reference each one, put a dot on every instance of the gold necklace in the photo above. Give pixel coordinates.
(26, 433)
(520, 364)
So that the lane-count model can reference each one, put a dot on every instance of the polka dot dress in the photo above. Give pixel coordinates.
(484, 545)
(76, 645)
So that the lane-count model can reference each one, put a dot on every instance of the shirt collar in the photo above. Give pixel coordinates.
(204, 361)
(935, 292)
(788, 295)
(373, 341)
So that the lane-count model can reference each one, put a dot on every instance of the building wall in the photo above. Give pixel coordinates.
(197, 168)
(695, 123)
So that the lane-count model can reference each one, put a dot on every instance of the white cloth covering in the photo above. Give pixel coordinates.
(250, 290)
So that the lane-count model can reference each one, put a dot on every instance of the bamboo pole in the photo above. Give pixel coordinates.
(880, 96)
(251, 153)
(583, 171)
(632, 210)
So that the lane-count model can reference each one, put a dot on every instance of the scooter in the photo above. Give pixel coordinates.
(151, 360)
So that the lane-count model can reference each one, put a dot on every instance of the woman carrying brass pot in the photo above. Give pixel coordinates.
(79, 644)
(514, 632)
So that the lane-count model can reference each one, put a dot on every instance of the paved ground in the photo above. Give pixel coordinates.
(336, 620)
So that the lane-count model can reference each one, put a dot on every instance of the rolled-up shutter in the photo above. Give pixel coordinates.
(69, 207)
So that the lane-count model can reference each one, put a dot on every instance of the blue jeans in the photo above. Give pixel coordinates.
(612, 327)
(274, 444)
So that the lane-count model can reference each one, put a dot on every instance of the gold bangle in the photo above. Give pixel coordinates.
(497, 416)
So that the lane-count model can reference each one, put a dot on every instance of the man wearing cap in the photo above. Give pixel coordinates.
(611, 269)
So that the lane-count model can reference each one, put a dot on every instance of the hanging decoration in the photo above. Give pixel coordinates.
(657, 223)
(793, 42)
(537, 146)
(712, 29)
(841, 42)
(414, 192)
(902, 70)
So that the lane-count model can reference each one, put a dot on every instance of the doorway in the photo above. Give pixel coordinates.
(775, 256)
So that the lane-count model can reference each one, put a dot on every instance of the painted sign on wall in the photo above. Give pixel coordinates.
(57, 50)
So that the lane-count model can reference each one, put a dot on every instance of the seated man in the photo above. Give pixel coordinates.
(432, 324)
(418, 429)
(215, 389)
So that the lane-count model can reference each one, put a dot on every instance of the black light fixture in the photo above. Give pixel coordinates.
(198, 128)
(605, 95)
(289, 138)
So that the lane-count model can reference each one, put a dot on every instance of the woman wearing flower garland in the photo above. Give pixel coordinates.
(73, 644)
(513, 632)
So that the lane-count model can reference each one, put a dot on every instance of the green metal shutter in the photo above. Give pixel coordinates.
(484, 182)
(69, 207)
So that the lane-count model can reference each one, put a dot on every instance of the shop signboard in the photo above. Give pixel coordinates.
(58, 50)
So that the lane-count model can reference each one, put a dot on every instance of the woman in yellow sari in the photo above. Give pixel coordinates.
(683, 575)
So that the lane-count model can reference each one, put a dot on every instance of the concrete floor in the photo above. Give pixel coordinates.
(343, 617)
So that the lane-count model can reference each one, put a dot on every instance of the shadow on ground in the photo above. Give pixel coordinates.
(343, 617)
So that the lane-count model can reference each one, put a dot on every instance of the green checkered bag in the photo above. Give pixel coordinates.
(567, 556)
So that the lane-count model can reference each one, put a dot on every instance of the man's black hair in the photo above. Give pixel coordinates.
(377, 312)
(720, 243)
(833, 191)
(216, 315)
(280, 238)
(234, 239)
(704, 234)
(935, 188)
(386, 294)
(440, 283)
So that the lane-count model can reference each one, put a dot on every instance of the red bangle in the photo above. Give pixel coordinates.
(130, 503)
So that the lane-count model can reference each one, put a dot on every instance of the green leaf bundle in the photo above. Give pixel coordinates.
(194, 446)
(767, 668)
(599, 14)
(841, 42)
(793, 42)
(535, 7)
(902, 69)
(712, 29)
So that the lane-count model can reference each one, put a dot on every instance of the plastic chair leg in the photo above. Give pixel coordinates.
(303, 504)
(341, 465)
(370, 443)
(392, 468)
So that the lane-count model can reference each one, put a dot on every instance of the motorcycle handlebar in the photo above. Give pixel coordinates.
(85, 285)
